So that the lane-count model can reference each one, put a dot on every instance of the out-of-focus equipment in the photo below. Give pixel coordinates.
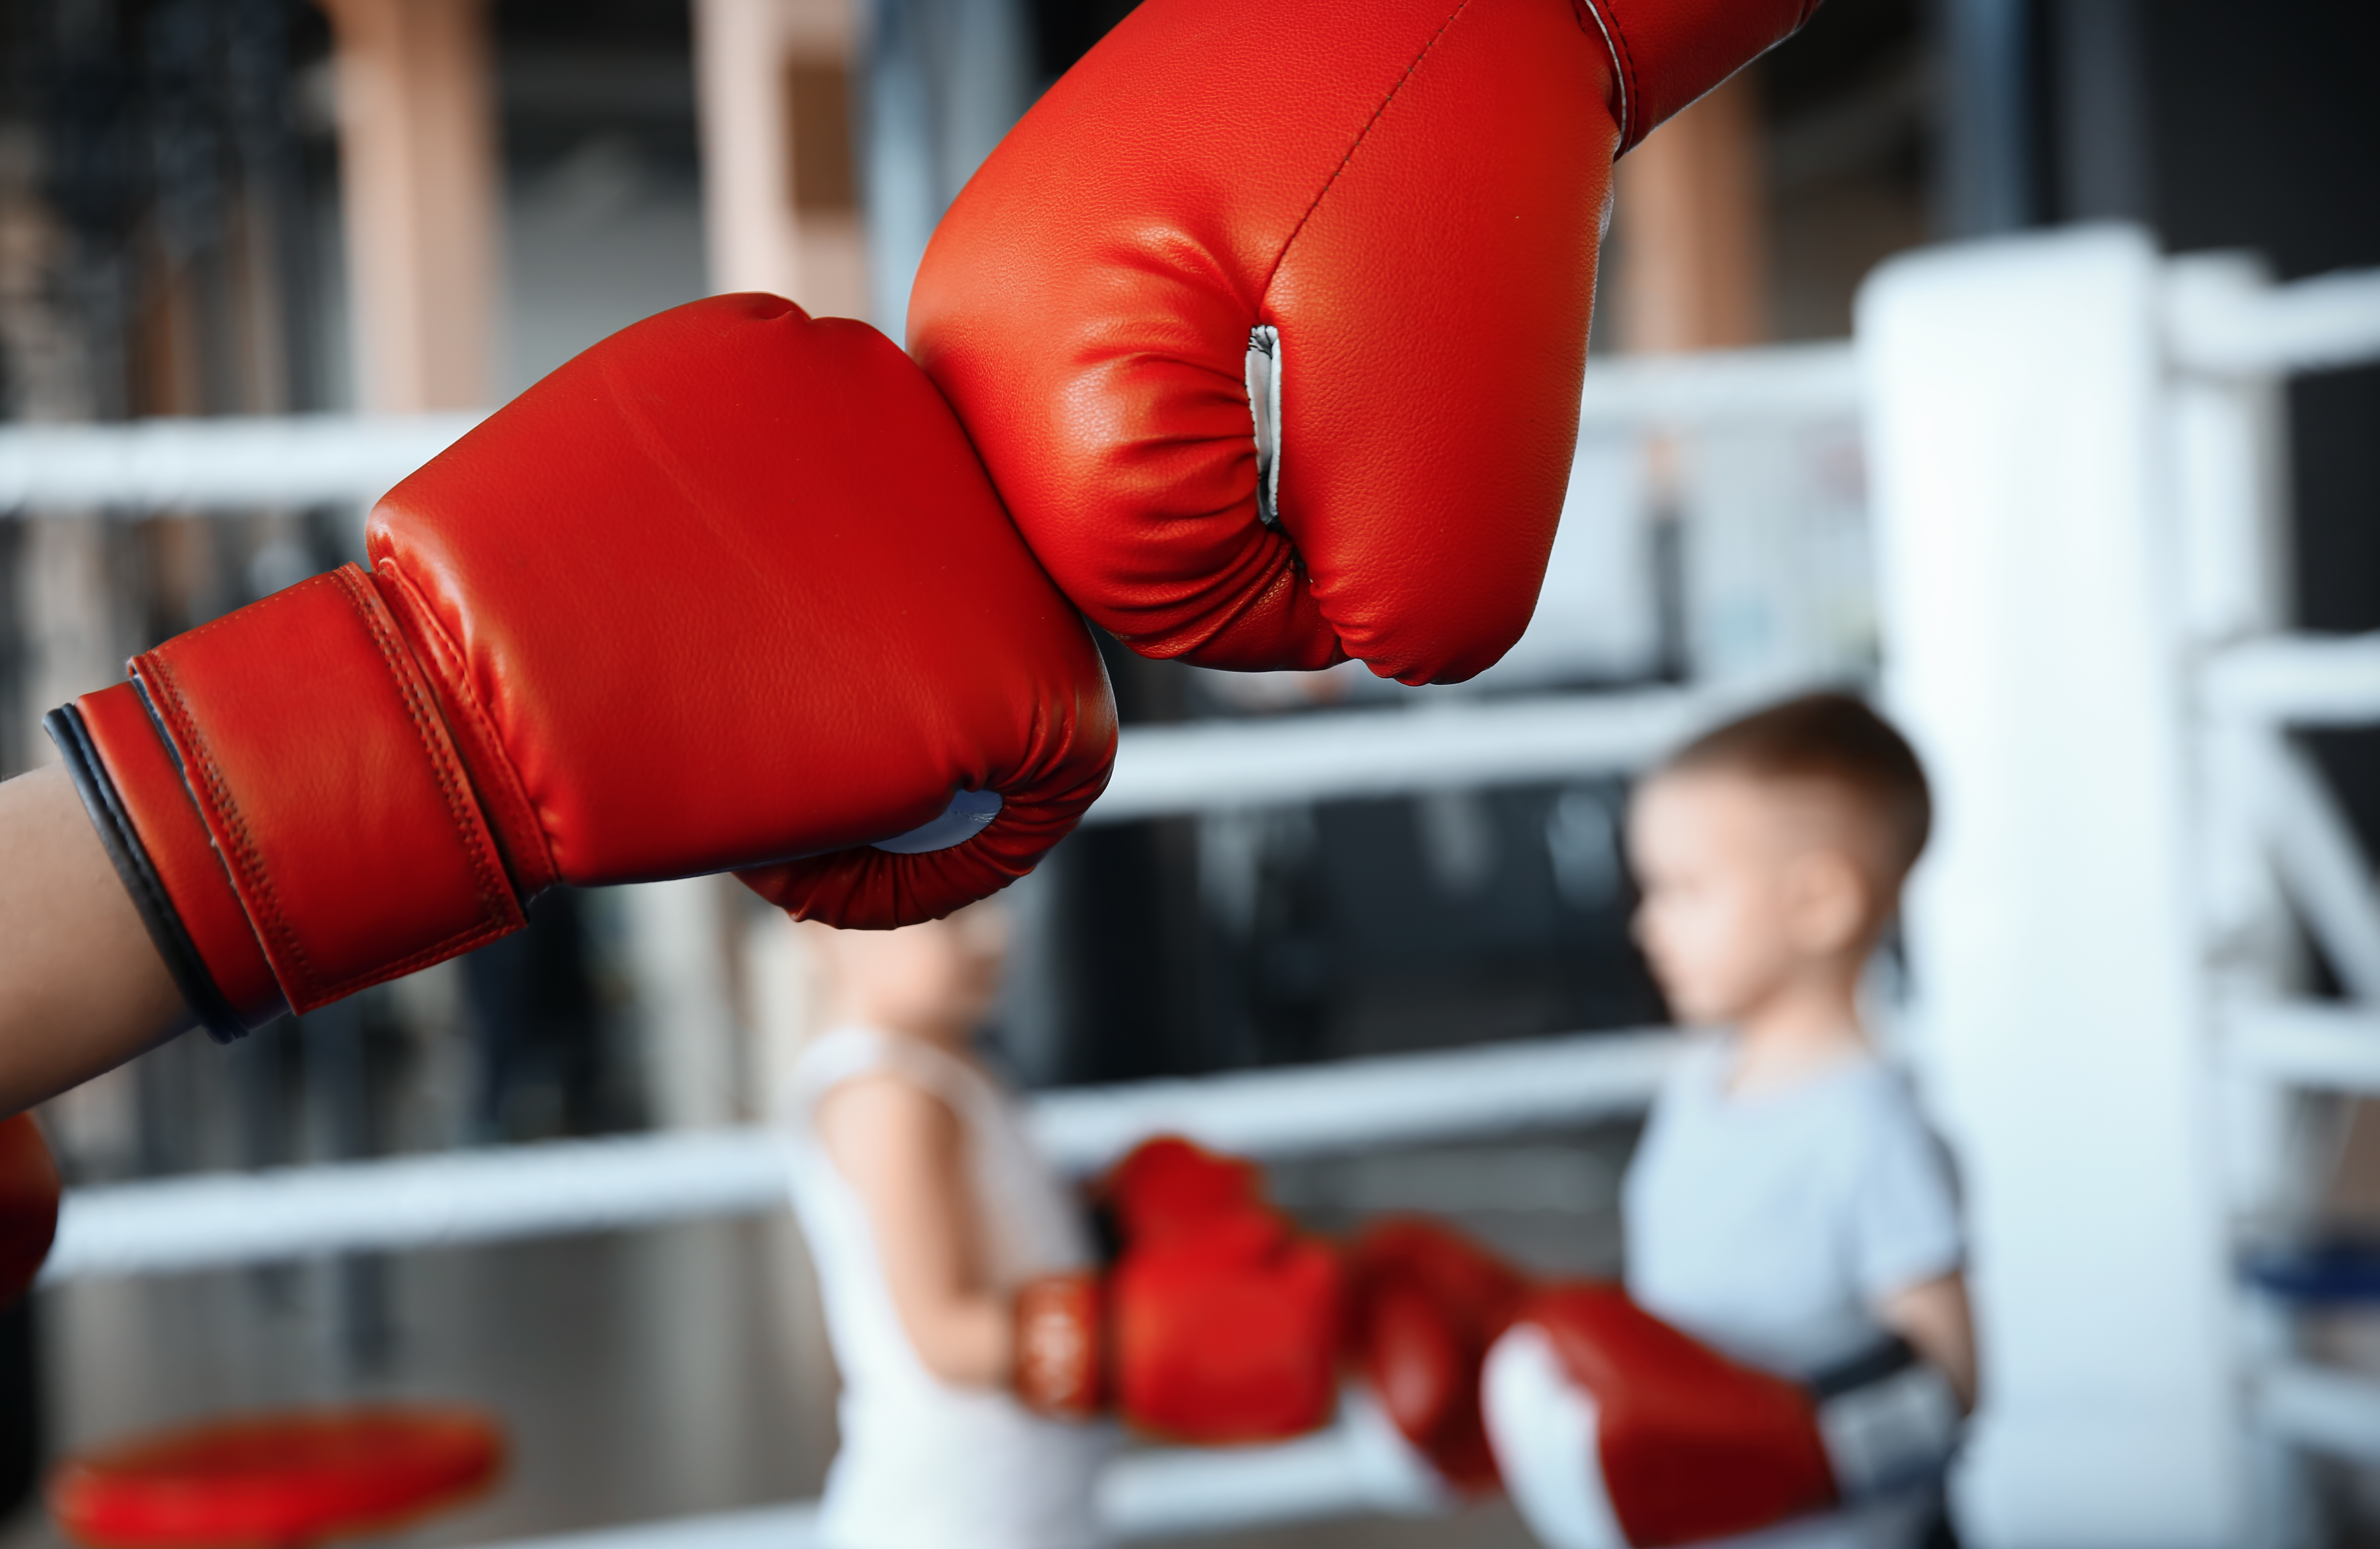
(277, 1480)
(1218, 1323)
(1270, 321)
(1615, 1428)
(29, 1205)
(1425, 1304)
(664, 615)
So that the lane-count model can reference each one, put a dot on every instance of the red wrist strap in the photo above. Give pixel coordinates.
(1060, 1346)
(133, 790)
(318, 760)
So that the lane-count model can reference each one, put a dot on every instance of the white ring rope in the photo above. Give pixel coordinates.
(213, 1221)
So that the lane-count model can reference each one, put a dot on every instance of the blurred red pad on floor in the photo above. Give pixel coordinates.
(276, 1480)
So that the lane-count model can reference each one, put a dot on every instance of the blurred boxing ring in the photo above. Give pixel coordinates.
(2075, 453)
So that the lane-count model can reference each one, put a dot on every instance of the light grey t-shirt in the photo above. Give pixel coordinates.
(1770, 1226)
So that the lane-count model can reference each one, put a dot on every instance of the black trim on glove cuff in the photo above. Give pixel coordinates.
(1887, 1357)
(122, 842)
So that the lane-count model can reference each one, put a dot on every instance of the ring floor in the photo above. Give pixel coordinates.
(684, 1370)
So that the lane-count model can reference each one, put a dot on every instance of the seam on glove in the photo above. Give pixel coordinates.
(120, 836)
(1623, 70)
(515, 814)
(257, 895)
(155, 675)
(502, 907)
(1361, 135)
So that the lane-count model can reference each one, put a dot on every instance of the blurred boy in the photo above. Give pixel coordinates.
(981, 1346)
(1787, 1207)
(927, 1208)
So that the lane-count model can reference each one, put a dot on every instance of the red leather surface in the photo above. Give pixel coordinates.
(316, 757)
(1168, 1187)
(1670, 52)
(1412, 191)
(276, 1482)
(1222, 1321)
(1227, 1333)
(1423, 1305)
(29, 1205)
(731, 590)
(171, 832)
(1694, 1445)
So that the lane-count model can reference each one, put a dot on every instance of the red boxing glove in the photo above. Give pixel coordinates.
(1169, 1188)
(1216, 1325)
(728, 591)
(29, 1205)
(1423, 1305)
(1269, 318)
(1615, 1431)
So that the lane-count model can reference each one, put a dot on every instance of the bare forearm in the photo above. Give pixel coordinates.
(81, 988)
(901, 1149)
(968, 1341)
(1934, 1318)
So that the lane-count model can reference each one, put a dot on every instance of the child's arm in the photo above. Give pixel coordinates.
(900, 1151)
(1933, 1315)
(81, 988)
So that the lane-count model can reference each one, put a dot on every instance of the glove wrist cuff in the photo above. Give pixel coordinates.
(1061, 1333)
(316, 757)
(132, 789)
(1887, 1420)
(1665, 54)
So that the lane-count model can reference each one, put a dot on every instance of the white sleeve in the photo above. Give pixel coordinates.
(1905, 1207)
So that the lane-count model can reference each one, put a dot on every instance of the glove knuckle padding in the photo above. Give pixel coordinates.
(1226, 1322)
(728, 589)
(845, 624)
(1411, 193)
(1228, 1341)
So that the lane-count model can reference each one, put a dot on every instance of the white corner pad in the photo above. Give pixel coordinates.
(1264, 407)
(967, 815)
(1542, 1427)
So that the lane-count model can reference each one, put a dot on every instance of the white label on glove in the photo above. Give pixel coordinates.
(1543, 1428)
(965, 818)
(1264, 407)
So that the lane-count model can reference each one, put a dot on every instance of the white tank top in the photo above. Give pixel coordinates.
(925, 1464)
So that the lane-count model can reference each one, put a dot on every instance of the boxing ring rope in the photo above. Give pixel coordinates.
(238, 462)
(235, 463)
(2302, 681)
(1449, 744)
(2326, 322)
(447, 1199)
(2261, 688)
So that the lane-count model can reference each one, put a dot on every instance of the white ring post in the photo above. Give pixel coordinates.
(2030, 567)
